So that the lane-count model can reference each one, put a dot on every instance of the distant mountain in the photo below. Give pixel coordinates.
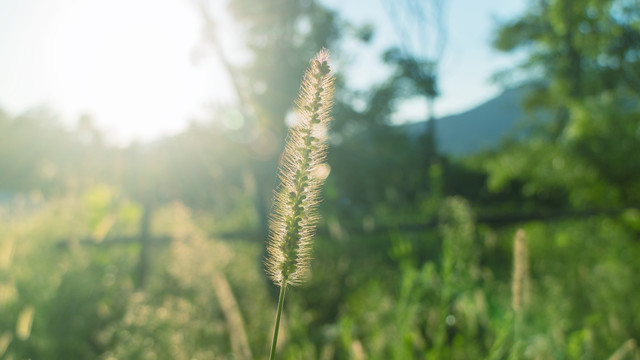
(480, 128)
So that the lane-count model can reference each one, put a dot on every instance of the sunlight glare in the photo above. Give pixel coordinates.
(128, 64)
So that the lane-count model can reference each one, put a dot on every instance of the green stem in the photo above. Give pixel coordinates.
(283, 288)
(517, 321)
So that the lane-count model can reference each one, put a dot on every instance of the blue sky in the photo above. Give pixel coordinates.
(110, 59)
(467, 63)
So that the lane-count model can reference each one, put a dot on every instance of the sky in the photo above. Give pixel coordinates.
(466, 64)
(141, 70)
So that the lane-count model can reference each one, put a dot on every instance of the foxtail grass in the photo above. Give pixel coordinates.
(520, 283)
(519, 287)
(301, 174)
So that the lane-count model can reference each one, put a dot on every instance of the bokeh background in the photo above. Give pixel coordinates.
(483, 198)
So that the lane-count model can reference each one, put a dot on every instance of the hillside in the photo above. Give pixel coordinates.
(482, 127)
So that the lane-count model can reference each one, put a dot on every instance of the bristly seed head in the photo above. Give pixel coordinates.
(520, 283)
(293, 217)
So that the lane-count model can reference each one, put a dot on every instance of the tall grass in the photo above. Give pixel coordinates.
(519, 287)
(301, 175)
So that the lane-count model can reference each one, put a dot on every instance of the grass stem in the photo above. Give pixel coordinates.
(283, 289)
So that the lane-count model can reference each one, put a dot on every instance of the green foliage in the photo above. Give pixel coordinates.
(455, 306)
(404, 267)
(79, 287)
(583, 65)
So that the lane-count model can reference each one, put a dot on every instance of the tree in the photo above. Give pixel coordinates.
(280, 38)
(583, 67)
